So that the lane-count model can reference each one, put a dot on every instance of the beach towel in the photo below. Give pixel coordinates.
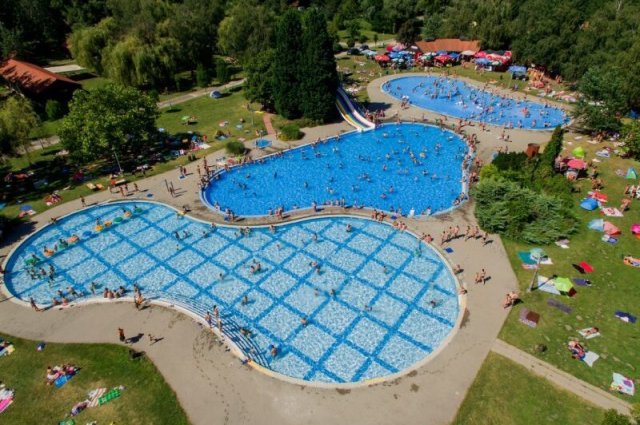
(63, 379)
(94, 396)
(4, 404)
(590, 357)
(562, 307)
(582, 282)
(8, 350)
(612, 212)
(622, 384)
(625, 317)
(563, 243)
(448, 250)
(587, 267)
(603, 153)
(529, 318)
(530, 266)
(583, 333)
(109, 396)
(609, 239)
(525, 257)
(546, 285)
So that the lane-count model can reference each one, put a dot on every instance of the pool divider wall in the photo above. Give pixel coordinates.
(235, 349)
(464, 188)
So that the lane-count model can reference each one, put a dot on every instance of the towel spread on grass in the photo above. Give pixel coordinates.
(525, 257)
(63, 379)
(590, 357)
(622, 384)
(562, 307)
(582, 282)
(583, 333)
(626, 317)
(5, 403)
(612, 212)
(94, 396)
(8, 350)
(546, 284)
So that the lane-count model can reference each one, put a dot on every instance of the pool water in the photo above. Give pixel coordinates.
(470, 102)
(342, 342)
(373, 169)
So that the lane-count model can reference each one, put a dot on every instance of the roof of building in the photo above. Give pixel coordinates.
(448, 44)
(31, 77)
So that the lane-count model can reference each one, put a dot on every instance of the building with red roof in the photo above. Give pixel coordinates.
(36, 82)
(449, 45)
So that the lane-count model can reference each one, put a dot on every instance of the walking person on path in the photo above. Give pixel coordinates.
(82, 201)
(484, 239)
(34, 306)
(121, 336)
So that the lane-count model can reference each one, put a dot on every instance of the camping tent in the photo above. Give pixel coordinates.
(215, 94)
(632, 174)
(589, 204)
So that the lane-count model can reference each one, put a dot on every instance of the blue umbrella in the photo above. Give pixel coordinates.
(454, 55)
(441, 52)
(483, 61)
(515, 69)
(26, 208)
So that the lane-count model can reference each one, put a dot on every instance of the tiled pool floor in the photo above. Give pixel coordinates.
(343, 341)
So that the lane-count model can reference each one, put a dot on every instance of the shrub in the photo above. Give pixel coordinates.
(363, 39)
(202, 76)
(520, 213)
(153, 94)
(290, 132)
(612, 417)
(337, 47)
(489, 171)
(235, 148)
(223, 72)
(351, 42)
(510, 161)
(54, 110)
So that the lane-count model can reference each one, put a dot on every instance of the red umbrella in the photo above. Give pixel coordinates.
(481, 54)
(578, 164)
(382, 58)
(389, 48)
(443, 58)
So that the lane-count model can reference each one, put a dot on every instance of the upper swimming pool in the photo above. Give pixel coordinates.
(394, 167)
(459, 99)
(366, 264)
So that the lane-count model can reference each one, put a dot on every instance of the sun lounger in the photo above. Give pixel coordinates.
(583, 333)
(121, 182)
(4, 404)
(91, 186)
(562, 307)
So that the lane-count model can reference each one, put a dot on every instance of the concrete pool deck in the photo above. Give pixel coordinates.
(212, 385)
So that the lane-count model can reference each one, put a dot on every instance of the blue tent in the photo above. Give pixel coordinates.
(589, 204)
(215, 95)
(515, 69)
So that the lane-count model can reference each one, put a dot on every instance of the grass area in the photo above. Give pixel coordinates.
(210, 112)
(365, 29)
(615, 287)
(46, 129)
(147, 398)
(94, 83)
(506, 393)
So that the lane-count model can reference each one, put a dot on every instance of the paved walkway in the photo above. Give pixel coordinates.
(267, 124)
(562, 379)
(64, 68)
(198, 93)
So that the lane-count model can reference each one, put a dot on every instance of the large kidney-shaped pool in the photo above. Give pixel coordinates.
(375, 300)
(406, 167)
(459, 99)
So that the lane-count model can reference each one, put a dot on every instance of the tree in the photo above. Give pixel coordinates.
(202, 76)
(375, 39)
(17, 120)
(631, 136)
(246, 31)
(409, 32)
(87, 44)
(318, 70)
(602, 101)
(109, 119)
(259, 85)
(287, 65)
(53, 109)
(612, 417)
(223, 73)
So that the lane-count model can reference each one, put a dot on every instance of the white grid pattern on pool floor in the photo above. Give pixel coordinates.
(342, 343)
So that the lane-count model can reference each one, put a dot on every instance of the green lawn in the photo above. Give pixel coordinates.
(365, 29)
(210, 112)
(615, 287)
(147, 398)
(506, 393)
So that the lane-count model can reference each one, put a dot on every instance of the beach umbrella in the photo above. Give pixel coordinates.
(443, 58)
(480, 54)
(579, 152)
(441, 52)
(589, 204)
(468, 53)
(454, 55)
(635, 229)
(215, 94)
(516, 69)
(482, 61)
(578, 164)
(537, 254)
(563, 284)
(382, 58)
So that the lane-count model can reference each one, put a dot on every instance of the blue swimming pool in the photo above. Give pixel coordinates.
(395, 167)
(459, 99)
(372, 265)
